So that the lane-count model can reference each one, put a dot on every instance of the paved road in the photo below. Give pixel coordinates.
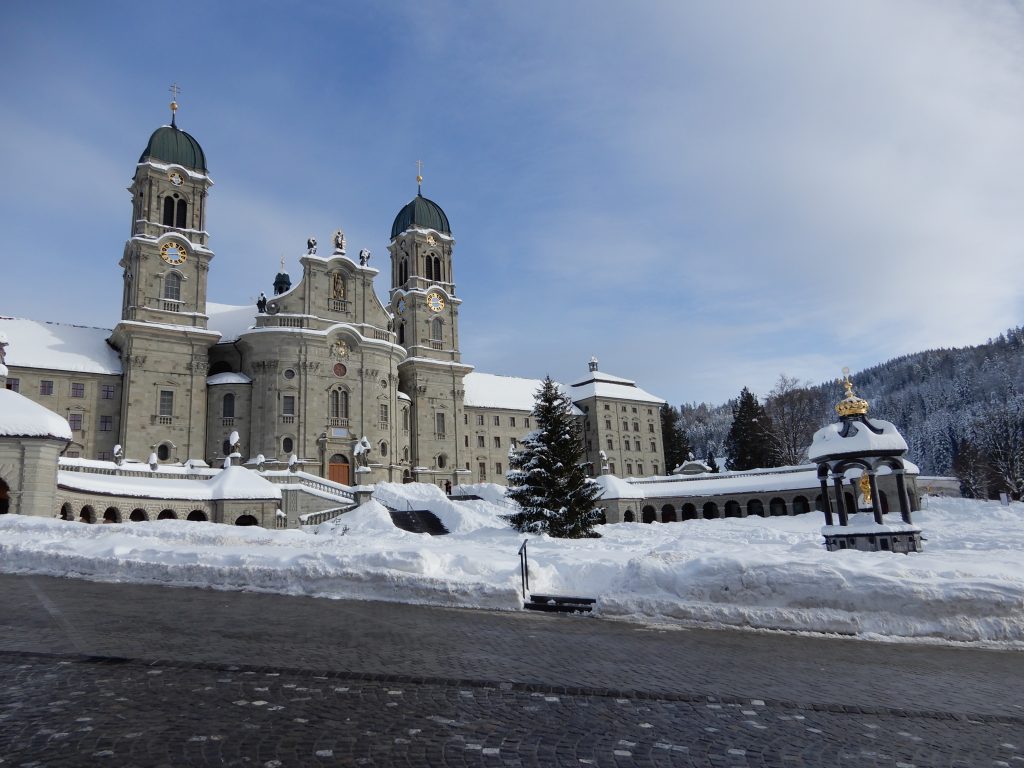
(115, 674)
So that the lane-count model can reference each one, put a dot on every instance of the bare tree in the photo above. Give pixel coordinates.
(1000, 433)
(795, 410)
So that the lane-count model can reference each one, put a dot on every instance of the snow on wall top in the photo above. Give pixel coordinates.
(228, 378)
(829, 442)
(230, 320)
(20, 417)
(230, 483)
(510, 393)
(601, 384)
(59, 347)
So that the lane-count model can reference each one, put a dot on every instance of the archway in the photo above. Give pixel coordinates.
(627, 516)
(777, 507)
(246, 520)
(818, 503)
(883, 502)
(338, 470)
(851, 504)
(732, 508)
(5, 498)
(755, 507)
(138, 515)
(668, 514)
(67, 512)
(167, 514)
(800, 505)
(689, 512)
(197, 516)
(87, 515)
(112, 515)
(710, 510)
(649, 515)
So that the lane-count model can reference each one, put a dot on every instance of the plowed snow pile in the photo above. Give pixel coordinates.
(968, 585)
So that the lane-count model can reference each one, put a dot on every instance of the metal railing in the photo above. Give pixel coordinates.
(524, 568)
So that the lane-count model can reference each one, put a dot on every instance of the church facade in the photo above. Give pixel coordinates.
(323, 372)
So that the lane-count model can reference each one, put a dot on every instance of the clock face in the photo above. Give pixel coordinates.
(435, 301)
(175, 178)
(401, 306)
(340, 349)
(173, 253)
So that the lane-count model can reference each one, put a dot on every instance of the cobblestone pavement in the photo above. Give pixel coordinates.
(124, 675)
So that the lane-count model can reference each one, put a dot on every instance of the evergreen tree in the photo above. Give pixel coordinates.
(547, 476)
(673, 437)
(712, 462)
(750, 440)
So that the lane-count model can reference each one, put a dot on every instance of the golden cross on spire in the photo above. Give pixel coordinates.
(175, 90)
(419, 177)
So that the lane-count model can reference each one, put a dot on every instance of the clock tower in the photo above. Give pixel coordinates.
(426, 312)
(163, 337)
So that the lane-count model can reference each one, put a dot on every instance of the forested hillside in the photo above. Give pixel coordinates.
(936, 398)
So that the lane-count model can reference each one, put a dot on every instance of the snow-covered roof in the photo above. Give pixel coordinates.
(828, 441)
(509, 393)
(59, 346)
(228, 378)
(230, 483)
(230, 320)
(20, 417)
(604, 385)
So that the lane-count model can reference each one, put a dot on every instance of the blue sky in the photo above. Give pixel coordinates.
(703, 195)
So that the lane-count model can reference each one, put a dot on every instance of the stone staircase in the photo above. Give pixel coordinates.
(559, 604)
(417, 521)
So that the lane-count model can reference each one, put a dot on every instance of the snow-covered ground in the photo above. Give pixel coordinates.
(968, 585)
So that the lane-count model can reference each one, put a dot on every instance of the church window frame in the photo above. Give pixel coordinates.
(338, 404)
(163, 452)
(437, 329)
(227, 406)
(383, 448)
(479, 419)
(287, 445)
(106, 391)
(165, 403)
(607, 423)
(172, 286)
(405, 419)
(288, 403)
(75, 421)
(401, 333)
(181, 214)
(611, 445)
(106, 423)
(481, 441)
(441, 460)
(385, 413)
(438, 273)
(168, 212)
(46, 387)
(439, 425)
(77, 388)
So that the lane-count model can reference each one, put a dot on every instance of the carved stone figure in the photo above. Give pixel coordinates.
(310, 246)
(261, 303)
(339, 241)
(338, 286)
(364, 256)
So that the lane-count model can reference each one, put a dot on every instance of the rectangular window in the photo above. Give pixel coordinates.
(479, 419)
(465, 418)
(623, 409)
(610, 446)
(511, 421)
(467, 441)
(650, 412)
(607, 423)
(653, 446)
(73, 454)
(104, 456)
(77, 389)
(655, 467)
(106, 423)
(14, 385)
(586, 425)
(405, 418)
(439, 424)
(526, 423)
(629, 468)
(166, 403)
(497, 442)
(107, 391)
(497, 469)
(385, 414)
(497, 421)
(75, 422)
(634, 409)
(46, 387)
(636, 426)
(640, 469)
(636, 446)
(650, 428)
(607, 407)
(482, 468)
(288, 405)
(625, 426)
(514, 443)
(480, 442)
(611, 467)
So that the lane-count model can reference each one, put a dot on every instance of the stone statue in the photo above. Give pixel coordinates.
(338, 286)
(364, 256)
(310, 246)
(261, 303)
(339, 241)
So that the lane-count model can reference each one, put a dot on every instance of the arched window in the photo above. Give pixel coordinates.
(401, 333)
(228, 411)
(168, 219)
(627, 516)
(403, 272)
(112, 515)
(649, 515)
(777, 507)
(732, 508)
(182, 215)
(167, 514)
(383, 449)
(755, 507)
(338, 404)
(436, 329)
(429, 268)
(172, 286)
(287, 445)
(668, 514)
(138, 515)
(197, 516)
(442, 461)
(437, 270)
(800, 505)
(710, 510)
(689, 512)
(163, 452)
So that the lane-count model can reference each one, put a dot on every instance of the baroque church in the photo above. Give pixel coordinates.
(322, 373)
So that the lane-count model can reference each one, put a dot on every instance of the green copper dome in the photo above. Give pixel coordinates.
(169, 144)
(420, 212)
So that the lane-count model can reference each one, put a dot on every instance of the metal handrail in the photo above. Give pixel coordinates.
(524, 567)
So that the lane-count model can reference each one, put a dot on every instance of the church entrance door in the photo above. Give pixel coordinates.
(338, 469)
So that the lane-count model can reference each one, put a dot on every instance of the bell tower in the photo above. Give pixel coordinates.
(426, 316)
(163, 337)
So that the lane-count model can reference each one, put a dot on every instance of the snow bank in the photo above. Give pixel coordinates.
(765, 573)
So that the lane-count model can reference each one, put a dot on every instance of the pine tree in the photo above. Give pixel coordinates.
(673, 437)
(749, 443)
(547, 476)
(712, 463)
